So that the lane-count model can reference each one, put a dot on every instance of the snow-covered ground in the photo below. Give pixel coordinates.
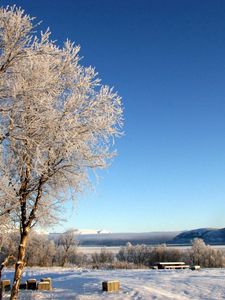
(68, 284)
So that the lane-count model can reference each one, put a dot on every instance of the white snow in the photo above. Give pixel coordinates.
(79, 284)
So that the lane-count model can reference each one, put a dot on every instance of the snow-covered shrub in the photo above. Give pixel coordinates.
(148, 256)
(206, 256)
(8, 244)
(40, 251)
(104, 257)
(79, 259)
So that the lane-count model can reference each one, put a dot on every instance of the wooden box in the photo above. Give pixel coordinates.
(23, 286)
(31, 284)
(47, 279)
(111, 286)
(44, 286)
(5, 285)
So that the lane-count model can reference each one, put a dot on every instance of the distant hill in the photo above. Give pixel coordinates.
(103, 238)
(121, 239)
(210, 236)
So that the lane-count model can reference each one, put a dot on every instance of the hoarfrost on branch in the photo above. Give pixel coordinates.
(56, 119)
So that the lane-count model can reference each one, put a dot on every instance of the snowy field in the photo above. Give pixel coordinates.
(68, 284)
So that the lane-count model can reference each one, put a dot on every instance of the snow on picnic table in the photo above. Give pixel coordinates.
(80, 284)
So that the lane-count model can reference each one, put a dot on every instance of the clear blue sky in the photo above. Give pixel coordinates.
(167, 61)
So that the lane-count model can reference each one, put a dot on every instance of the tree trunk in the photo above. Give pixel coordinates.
(20, 263)
(2, 266)
(64, 260)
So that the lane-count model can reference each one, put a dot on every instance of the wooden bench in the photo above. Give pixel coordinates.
(172, 265)
(177, 267)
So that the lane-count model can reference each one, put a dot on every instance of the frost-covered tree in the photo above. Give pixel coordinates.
(56, 122)
(40, 250)
(66, 242)
(205, 256)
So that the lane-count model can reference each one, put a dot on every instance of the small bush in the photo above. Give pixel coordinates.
(103, 257)
(148, 256)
